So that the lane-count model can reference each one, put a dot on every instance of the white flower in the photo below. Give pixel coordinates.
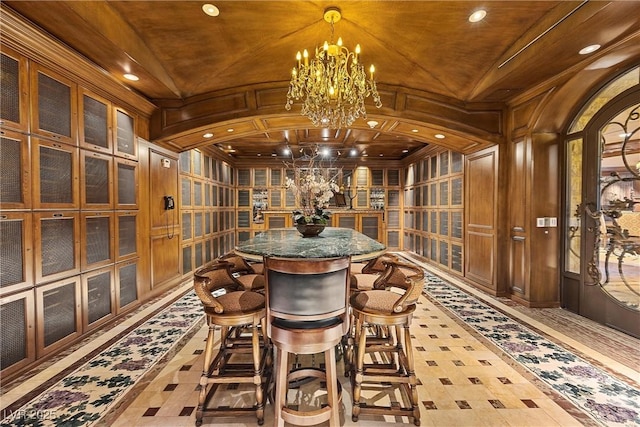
(311, 191)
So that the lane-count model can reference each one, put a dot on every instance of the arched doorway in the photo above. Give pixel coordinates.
(601, 268)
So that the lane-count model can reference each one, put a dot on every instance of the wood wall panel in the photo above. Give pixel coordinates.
(165, 260)
(481, 183)
(481, 258)
(519, 178)
(518, 181)
(164, 224)
(545, 241)
(518, 265)
(481, 191)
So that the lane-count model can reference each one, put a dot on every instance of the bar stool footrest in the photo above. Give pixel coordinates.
(293, 416)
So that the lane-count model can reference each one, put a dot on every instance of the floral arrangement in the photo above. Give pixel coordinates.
(312, 192)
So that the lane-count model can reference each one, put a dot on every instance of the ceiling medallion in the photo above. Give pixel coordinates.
(334, 84)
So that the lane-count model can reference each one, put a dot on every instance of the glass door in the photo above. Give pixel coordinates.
(601, 277)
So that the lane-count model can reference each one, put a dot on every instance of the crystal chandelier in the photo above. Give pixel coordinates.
(334, 84)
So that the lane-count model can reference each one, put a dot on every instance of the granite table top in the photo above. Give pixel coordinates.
(331, 243)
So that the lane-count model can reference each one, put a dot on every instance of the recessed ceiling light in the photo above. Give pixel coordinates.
(230, 130)
(478, 15)
(365, 155)
(405, 151)
(381, 155)
(210, 9)
(414, 130)
(131, 77)
(273, 154)
(259, 154)
(439, 136)
(286, 151)
(353, 152)
(208, 135)
(589, 49)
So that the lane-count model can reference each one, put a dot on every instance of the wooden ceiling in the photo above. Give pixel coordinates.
(436, 71)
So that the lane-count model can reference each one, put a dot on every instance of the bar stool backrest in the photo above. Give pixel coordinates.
(306, 293)
(238, 264)
(406, 276)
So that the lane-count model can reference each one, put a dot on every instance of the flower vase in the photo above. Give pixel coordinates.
(310, 230)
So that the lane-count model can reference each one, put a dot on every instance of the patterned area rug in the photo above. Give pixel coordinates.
(603, 397)
(82, 398)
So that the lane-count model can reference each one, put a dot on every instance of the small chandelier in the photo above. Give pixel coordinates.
(334, 84)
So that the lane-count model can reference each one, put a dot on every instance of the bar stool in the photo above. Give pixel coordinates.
(364, 276)
(306, 314)
(390, 307)
(227, 305)
(249, 275)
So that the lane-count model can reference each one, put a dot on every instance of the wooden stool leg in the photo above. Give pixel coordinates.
(332, 386)
(361, 336)
(208, 349)
(206, 369)
(412, 375)
(282, 369)
(400, 341)
(224, 333)
(257, 374)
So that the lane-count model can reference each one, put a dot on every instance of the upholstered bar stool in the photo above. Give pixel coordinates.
(250, 275)
(390, 305)
(306, 314)
(364, 276)
(237, 312)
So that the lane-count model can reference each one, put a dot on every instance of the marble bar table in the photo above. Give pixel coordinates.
(331, 243)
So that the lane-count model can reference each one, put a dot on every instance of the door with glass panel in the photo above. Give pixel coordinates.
(601, 274)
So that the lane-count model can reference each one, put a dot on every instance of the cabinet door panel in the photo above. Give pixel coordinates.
(54, 108)
(14, 96)
(57, 245)
(55, 176)
(15, 191)
(59, 311)
(98, 298)
(16, 252)
(125, 144)
(96, 180)
(126, 184)
(126, 284)
(95, 123)
(17, 318)
(126, 242)
(370, 226)
(97, 240)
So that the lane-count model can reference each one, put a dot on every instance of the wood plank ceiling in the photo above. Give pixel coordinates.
(436, 71)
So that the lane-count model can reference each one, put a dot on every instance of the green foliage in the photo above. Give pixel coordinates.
(319, 216)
